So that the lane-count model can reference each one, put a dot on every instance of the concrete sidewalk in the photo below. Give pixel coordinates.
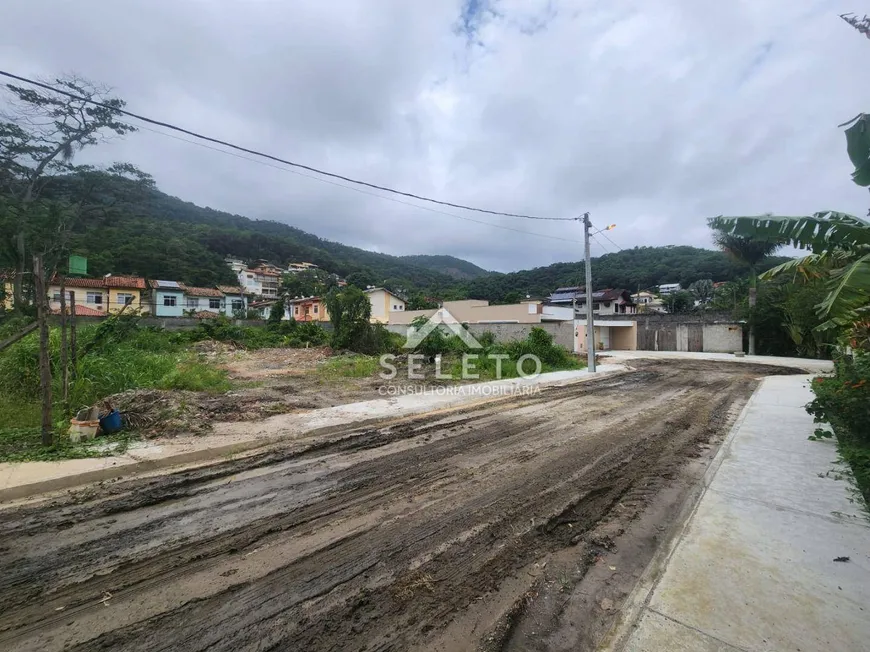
(807, 364)
(23, 479)
(753, 568)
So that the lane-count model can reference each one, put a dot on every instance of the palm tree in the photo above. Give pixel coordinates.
(840, 246)
(751, 251)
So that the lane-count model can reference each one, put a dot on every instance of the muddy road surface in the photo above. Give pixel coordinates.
(518, 524)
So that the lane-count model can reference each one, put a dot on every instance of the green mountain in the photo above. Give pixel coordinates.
(449, 265)
(145, 232)
(641, 267)
(155, 235)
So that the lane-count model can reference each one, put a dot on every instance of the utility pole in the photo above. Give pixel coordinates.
(590, 328)
(41, 297)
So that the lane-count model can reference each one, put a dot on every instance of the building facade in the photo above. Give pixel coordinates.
(384, 304)
(235, 299)
(167, 299)
(308, 309)
(126, 292)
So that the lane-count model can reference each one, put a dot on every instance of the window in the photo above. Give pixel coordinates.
(315, 308)
(55, 296)
(125, 299)
(395, 307)
(192, 302)
(169, 300)
(96, 298)
(238, 304)
(214, 304)
(295, 310)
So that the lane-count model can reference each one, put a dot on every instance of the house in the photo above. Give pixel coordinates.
(292, 268)
(89, 293)
(263, 307)
(308, 309)
(384, 303)
(236, 264)
(234, 299)
(669, 288)
(643, 298)
(250, 281)
(266, 277)
(126, 291)
(647, 302)
(203, 300)
(167, 299)
(604, 302)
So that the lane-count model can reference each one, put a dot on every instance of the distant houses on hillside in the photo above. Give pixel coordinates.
(99, 297)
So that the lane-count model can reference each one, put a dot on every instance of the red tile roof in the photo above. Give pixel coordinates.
(125, 282)
(82, 311)
(78, 282)
(230, 289)
(201, 292)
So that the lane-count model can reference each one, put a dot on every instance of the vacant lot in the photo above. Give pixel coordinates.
(516, 525)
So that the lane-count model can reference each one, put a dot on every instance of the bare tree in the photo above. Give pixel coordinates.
(861, 24)
(40, 132)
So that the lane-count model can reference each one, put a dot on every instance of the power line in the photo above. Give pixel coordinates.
(271, 157)
(618, 248)
(360, 190)
(599, 243)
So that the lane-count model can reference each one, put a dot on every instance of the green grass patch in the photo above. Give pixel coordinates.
(349, 366)
(116, 355)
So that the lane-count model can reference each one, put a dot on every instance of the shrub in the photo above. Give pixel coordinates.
(844, 402)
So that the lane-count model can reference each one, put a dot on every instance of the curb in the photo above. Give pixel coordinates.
(138, 467)
(639, 598)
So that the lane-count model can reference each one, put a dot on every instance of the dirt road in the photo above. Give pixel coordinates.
(516, 525)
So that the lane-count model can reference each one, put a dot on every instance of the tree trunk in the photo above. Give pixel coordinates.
(18, 281)
(44, 359)
(753, 282)
(73, 346)
(64, 359)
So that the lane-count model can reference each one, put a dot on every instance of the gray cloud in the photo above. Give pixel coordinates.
(652, 114)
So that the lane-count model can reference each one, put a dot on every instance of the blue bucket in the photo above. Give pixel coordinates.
(111, 422)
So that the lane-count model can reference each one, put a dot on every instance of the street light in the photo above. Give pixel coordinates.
(590, 325)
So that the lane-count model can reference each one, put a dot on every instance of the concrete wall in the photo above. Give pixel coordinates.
(473, 311)
(562, 332)
(723, 338)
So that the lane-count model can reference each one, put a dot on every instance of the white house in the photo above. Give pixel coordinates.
(669, 288)
(234, 299)
(383, 303)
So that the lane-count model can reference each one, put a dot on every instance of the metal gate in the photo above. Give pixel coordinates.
(659, 337)
(696, 337)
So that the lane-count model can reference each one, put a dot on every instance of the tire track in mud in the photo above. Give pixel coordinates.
(368, 539)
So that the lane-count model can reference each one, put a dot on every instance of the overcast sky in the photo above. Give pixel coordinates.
(651, 114)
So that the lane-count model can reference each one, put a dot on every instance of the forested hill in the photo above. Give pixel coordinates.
(641, 267)
(450, 265)
(151, 234)
(154, 235)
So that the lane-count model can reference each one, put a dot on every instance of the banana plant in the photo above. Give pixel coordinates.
(840, 246)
